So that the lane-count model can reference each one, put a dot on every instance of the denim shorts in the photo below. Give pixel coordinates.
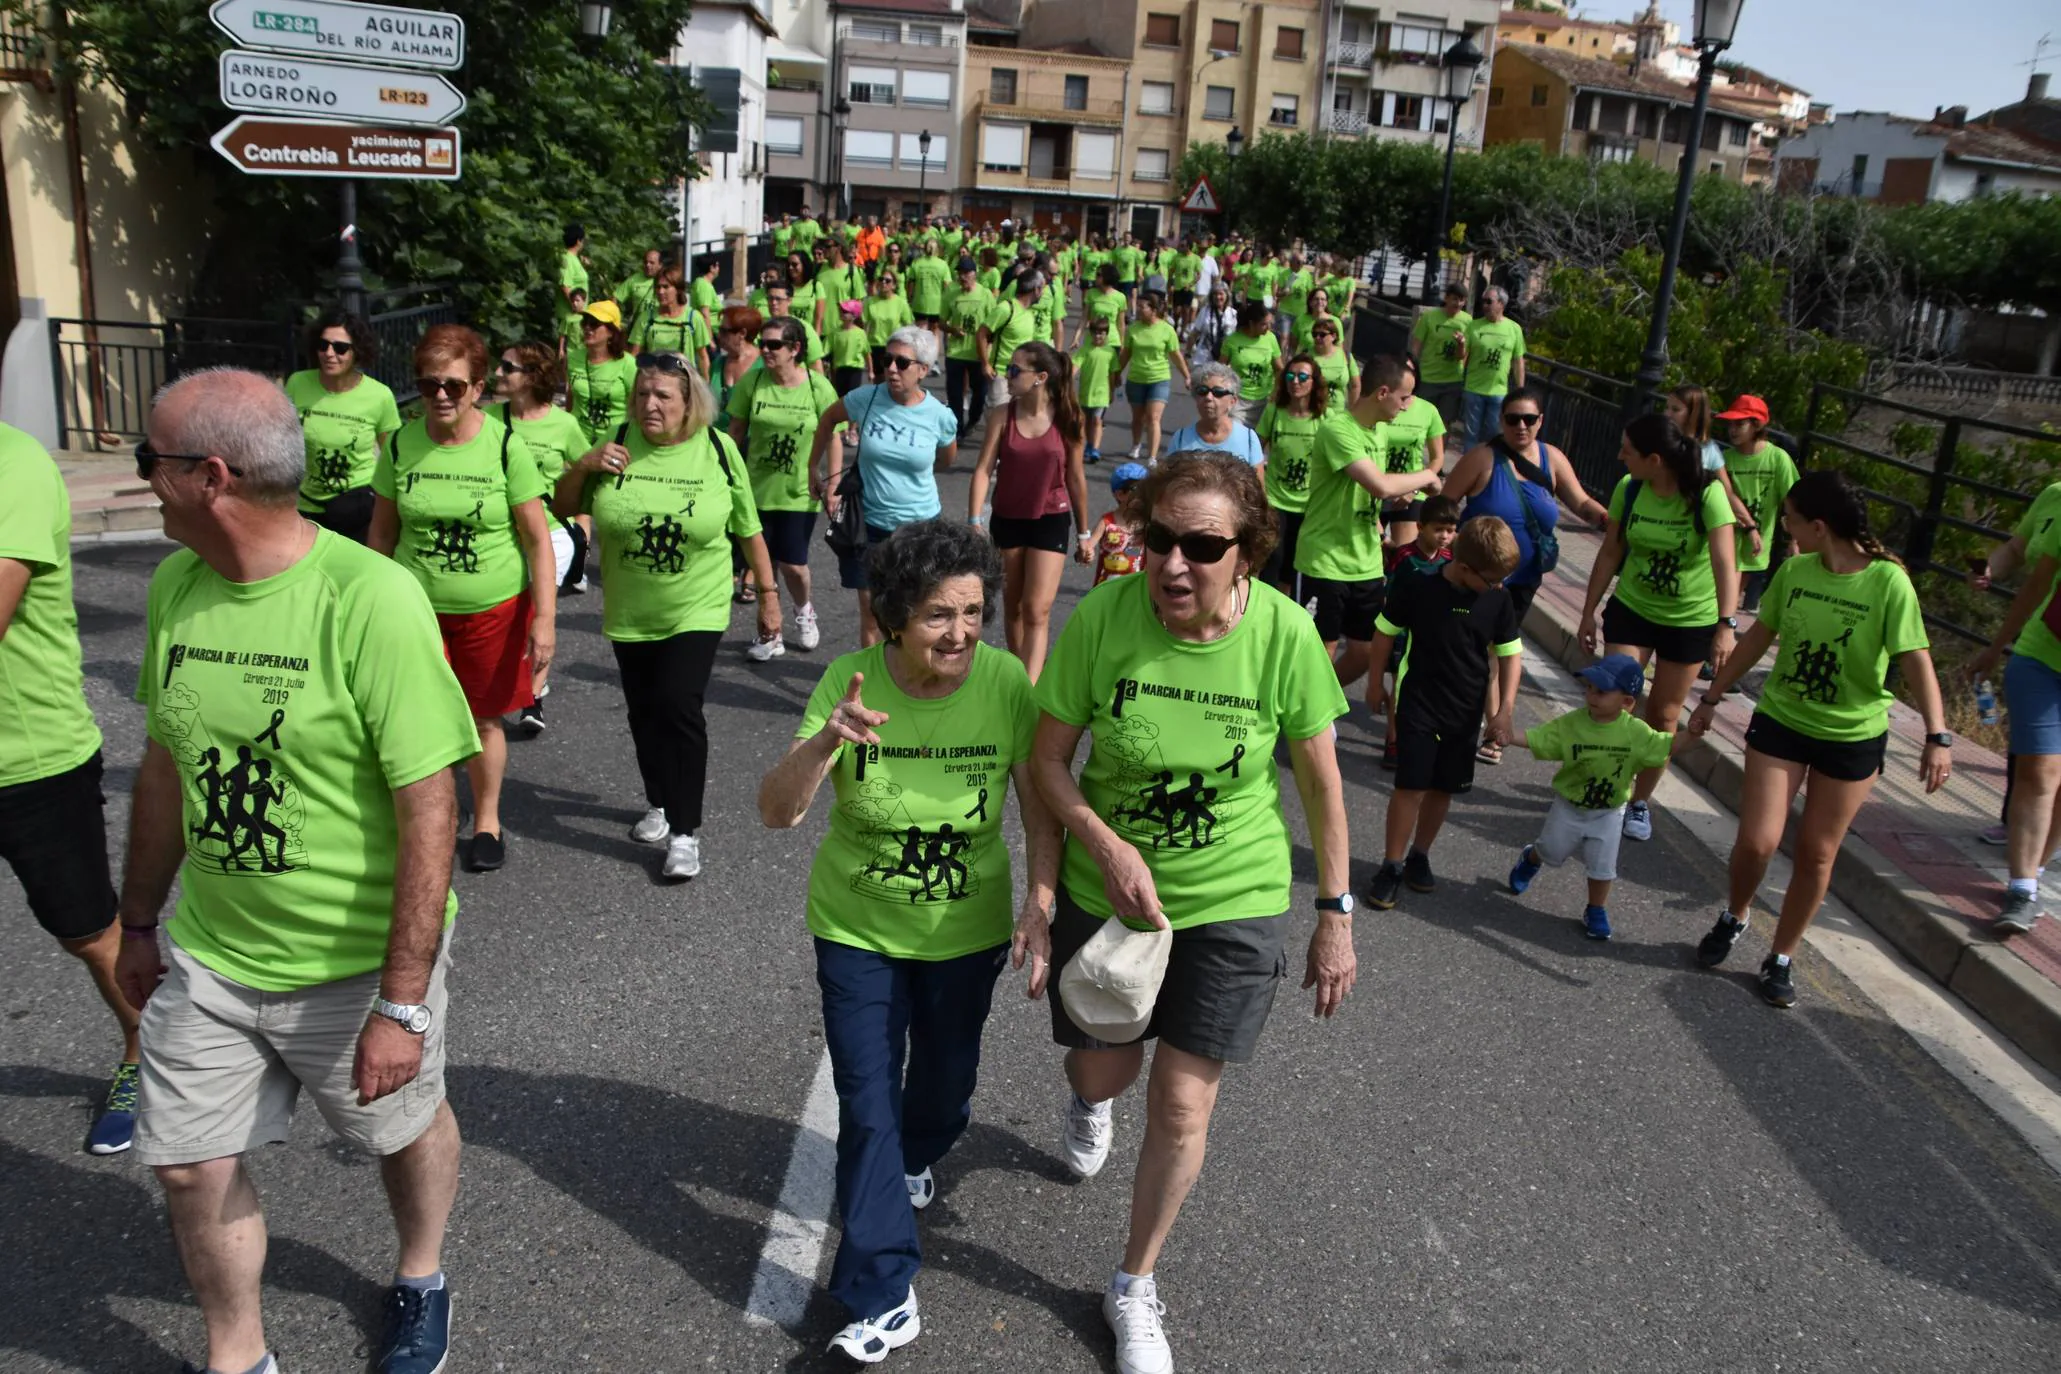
(2033, 692)
(1145, 393)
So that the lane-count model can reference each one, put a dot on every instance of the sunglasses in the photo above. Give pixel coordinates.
(1297, 376)
(1526, 418)
(672, 364)
(147, 459)
(1222, 393)
(773, 345)
(336, 346)
(450, 388)
(508, 369)
(1196, 547)
(898, 363)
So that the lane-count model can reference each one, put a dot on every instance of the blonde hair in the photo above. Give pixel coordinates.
(701, 402)
(1487, 545)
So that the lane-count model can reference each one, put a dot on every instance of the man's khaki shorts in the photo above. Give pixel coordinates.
(223, 1064)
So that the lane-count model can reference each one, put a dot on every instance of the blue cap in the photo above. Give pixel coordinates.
(1615, 673)
(1125, 474)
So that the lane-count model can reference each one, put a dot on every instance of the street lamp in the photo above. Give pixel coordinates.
(1716, 22)
(840, 115)
(1234, 144)
(595, 18)
(1461, 62)
(923, 170)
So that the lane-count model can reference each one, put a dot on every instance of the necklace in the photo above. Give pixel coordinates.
(1244, 595)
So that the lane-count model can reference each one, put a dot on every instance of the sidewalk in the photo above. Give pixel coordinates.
(1911, 865)
(108, 501)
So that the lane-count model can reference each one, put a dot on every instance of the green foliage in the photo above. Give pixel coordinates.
(1995, 251)
(558, 130)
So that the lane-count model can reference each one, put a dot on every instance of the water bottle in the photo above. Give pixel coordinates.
(1985, 701)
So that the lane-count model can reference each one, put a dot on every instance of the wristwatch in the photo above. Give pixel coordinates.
(1942, 739)
(1730, 622)
(412, 1017)
(1342, 904)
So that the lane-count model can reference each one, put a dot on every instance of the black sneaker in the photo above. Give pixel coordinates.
(1777, 987)
(417, 1335)
(531, 720)
(487, 852)
(1717, 945)
(1387, 887)
(1417, 872)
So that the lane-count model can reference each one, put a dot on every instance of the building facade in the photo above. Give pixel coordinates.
(1607, 112)
(727, 35)
(898, 74)
(1904, 161)
(1382, 76)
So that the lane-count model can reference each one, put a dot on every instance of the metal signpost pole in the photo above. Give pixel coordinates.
(350, 269)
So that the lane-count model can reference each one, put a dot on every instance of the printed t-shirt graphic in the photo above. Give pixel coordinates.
(898, 447)
(457, 536)
(1453, 634)
(783, 427)
(1438, 363)
(1409, 432)
(1253, 360)
(293, 707)
(599, 393)
(1493, 347)
(1182, 763)
(1667, 577)
(342, 429)
(1337, 368)
(1600, 759)
(1341, 528)
(555, 441)
(686, 334)
(915, 864)
(1291, 445)
(664, 524)
(1762, 480)
(1836, 634)
(46, 728)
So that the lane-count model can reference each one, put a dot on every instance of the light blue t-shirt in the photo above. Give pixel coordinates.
(1243, 443)
(898, 447)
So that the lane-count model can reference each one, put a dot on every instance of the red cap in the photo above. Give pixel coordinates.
(1747, 408)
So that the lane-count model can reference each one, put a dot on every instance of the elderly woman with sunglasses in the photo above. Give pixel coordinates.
(458, 501)
(1185, 680)
(901, 437)
(346, 417)
(1217, 427)
(668, 492)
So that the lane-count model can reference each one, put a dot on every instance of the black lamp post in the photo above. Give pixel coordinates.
(595, 18)
(1234, 144)
(1716, 22)
(923, 170)
(1461, 62)
(840, 115)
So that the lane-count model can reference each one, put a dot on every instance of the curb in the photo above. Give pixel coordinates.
(1997, 984)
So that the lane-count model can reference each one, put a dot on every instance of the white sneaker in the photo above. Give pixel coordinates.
(763, 649)
(870, 1340)
(806, 632)
(1141, 1346)
(1638, 821)
(652, 829)
(922, 1188)
(1084, 1137)
(683, 857)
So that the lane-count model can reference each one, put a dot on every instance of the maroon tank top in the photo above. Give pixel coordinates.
(1030, 474)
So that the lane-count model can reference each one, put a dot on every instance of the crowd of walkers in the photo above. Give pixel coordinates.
(362, 600)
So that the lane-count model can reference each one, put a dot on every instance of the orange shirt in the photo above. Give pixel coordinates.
(871, 242)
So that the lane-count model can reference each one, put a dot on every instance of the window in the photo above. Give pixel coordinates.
(1153, 165)
(784, 134)
(873, 85)
(912, 151)
(1219, 102)
(1541, 35)
(1409, 112)
(1985, 185)
(1646, 121)
(1860, 172)
(1717, 169)
(1584, 110)
(1163, 30)
(1495, 97)
(876, 31)
(921, 87)
(1156, 98)
(1077, 93)
(869, 147)
(1283, 111)
(1538, 95)
(1414, 43)
(1288, 44)
(1002, 86)
(1094, 155)
(1001, 147)
(1223, 35)
(1612, 150)
(1735, 134)
(926, 35)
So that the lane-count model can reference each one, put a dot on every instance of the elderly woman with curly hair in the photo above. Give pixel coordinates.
(910, 895)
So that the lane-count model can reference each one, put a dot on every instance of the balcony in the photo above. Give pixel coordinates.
(1359, 56)
(22, 55)
(1351, 123)
(1027, 106)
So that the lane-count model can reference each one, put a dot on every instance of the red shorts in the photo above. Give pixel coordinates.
(489, 651)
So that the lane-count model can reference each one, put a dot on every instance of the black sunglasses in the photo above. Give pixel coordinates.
(1195, 546)
(1526, 418)
(506, 368)
(147, 459)
(337, 346)
(767, 345)
(900, 364)
(1220, 392)
(450, 388)
(672, 364)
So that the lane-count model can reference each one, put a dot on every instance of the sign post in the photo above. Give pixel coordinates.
(338, 28)
(1201, 199)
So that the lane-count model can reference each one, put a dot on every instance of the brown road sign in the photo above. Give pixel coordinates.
(312, 148)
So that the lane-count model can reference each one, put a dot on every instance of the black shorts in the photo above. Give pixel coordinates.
(1053, 533)
(930, 319)
(1753, 588)
(1521, 599)
(1219, 988)
(851, 568)
(1183, 299)
(54, 835)
(1431, 759)
(1669, 643)
(1281, 562)
(844, 379)
(348, 513)
(1345, 610)
(787, 535)
(1854, 760)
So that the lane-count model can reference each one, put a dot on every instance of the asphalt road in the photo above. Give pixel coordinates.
(1514, 1149)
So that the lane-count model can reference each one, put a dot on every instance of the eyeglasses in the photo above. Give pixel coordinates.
(147, 459)
(777, 300)
(1222, 393)
(336, 346)
(1298, 376)
(1527, 418)
(1195, 546)
(898, 363)
(507, 369)
(672, 364)
(450, 388)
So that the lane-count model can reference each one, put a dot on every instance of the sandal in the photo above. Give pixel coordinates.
(745, 594)
(1489, 753)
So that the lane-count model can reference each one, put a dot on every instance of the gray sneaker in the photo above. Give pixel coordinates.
(651, 828)
(2019, 911)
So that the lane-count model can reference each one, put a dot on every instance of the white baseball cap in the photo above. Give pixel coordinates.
(1110, 987)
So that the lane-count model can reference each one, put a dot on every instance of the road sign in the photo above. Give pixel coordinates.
(267, 84)
(311, 148)
(356, 33)
(1201, 199)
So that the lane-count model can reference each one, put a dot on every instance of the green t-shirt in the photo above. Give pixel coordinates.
(1128, 259)
(1252, 358)
(783, 240)
(686, 333)
(806, 232)
(1338, 368)
(598, 394)
(1106, 305)
(2036, 640)
(572, 276)
(637, 298)
(964, 310)
(1183, 270)
(1096, 367)
(293, 709)
(2040, 516)
(1341, 525)
(1152, 347)
(1295, 290)
(1762, 480)
(928, 278)
(840, 284)
(1438, 336)
(46, 728)
(555, 440)
(849, 346)
(990, 277)
(883, 316)
(1667, 577)
(1181, 760)
(1340, 289)
(1012, 325)
(1835, 636)
(1409, 432)
(783, 428)
(1492, 348)
(1599, 760)
(664, 525)
(342, 431)
(915, 864)
(1290, 442)
(704, 296)
(457, 531)
(1051, 311)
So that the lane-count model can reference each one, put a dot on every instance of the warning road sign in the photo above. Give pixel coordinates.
(1201, 199)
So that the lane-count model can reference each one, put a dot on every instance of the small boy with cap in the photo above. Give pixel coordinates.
(1119, 545)
(1601, 748)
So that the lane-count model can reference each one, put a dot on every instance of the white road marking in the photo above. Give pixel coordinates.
(794, 1235)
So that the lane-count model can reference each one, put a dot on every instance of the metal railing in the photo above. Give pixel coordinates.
(1350, 122)
(24, 55)
(1584, 413)
(1352, 55)
(106, 373)
(1979, 384)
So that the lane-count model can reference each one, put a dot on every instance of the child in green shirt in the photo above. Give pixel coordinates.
(849, 348)
(1095, 365)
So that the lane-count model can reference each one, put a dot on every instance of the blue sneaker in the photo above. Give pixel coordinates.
(1596, 923)
(116, 1124)
(417, 1337)
(1528, 866)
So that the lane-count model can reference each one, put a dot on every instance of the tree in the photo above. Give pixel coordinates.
(557, 131)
